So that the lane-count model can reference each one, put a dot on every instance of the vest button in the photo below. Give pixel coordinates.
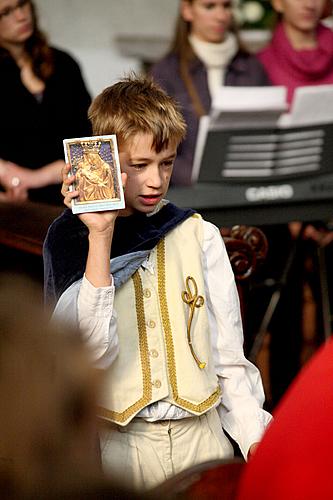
(151, 323)
(154, 353)
(164, 422)
(157, 383)
(147, 293)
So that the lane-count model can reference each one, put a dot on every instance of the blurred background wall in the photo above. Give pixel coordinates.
(97, 32)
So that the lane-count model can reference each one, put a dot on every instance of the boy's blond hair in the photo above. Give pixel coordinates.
(137, 105)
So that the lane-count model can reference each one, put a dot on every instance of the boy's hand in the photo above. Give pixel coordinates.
(67, 181)
(252, 450)
(100, 226)
(97, 222)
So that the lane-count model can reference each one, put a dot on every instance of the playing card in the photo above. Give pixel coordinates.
(95, 163)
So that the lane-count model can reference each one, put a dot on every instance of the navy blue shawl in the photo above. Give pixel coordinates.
(66, 244)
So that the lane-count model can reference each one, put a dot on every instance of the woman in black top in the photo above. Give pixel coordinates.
(43, 100)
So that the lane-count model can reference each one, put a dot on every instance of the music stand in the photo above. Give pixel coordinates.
(274, 157)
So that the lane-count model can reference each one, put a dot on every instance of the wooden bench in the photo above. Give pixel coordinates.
(23, 226)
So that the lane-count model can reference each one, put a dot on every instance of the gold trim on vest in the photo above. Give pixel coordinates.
(144, 355)
(213, 398)
(193, 300)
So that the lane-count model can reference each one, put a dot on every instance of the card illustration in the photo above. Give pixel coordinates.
(95, 163)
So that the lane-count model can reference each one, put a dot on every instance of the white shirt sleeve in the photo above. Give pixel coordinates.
(240, 410)
(98, 322)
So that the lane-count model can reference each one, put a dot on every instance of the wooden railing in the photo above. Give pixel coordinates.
(24, 226)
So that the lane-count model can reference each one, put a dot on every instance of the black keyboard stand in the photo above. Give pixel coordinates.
(279, 287)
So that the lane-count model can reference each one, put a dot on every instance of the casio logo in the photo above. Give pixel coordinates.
(269, 193)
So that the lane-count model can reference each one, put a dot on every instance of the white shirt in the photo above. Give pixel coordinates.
(241, 410)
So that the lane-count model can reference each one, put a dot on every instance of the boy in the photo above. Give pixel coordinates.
(170, 338)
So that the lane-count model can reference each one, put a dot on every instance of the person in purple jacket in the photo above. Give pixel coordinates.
(205, 53)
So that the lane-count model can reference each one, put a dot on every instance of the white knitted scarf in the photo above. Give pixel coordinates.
(216, 57)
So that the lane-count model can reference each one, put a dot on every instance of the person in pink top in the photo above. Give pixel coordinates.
(301, 50)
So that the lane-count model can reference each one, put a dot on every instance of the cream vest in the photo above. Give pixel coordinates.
(164, 340)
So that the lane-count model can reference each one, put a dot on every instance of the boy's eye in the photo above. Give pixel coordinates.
(138, 165)
(168, 163)
(5, 13)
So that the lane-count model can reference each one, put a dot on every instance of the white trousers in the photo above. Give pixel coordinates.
(144, 454)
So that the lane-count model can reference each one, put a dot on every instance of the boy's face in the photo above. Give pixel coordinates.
(148, 173)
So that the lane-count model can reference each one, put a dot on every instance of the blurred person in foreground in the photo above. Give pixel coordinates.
(48, 392)
(294, 459)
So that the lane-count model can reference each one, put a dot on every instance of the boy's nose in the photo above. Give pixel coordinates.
(154, 177)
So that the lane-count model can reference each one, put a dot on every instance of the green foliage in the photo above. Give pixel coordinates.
(256, 14)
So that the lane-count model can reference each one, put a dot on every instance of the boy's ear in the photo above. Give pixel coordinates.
(186, 11)
(124, 179)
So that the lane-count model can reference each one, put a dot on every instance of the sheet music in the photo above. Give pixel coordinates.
(311, 105)
(235, 107)
(200, 144)
(249, 135)
(248, 99)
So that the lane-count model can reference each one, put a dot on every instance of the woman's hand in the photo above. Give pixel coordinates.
(15, 181)
(322, 237)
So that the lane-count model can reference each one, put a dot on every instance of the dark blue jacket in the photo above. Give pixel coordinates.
(244, 70)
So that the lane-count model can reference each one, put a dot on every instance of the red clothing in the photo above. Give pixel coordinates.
(294, 459)
(295, 68)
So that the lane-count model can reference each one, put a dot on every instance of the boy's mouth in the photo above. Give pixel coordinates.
(150, 199)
